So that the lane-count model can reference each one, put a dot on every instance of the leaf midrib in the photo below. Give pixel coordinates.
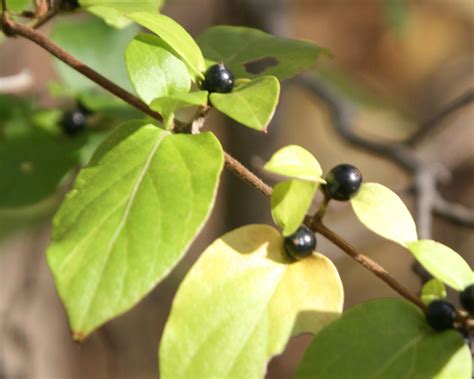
(121, 224)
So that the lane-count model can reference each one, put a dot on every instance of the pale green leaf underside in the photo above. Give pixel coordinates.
(241, 302)
(295, 162)
(250, 52)
(168, 105)
(385, 339)
(434, 289)
(383, 212)
(153, 71)
(290, 203)
(252, 104)
(175, 36)
(130, 217)
(443, 263)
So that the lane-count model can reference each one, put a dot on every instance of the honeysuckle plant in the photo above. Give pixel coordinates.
(147, 189)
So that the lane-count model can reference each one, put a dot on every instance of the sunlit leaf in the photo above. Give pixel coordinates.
(175, 36)
(153, 71)
(250, 52)
(434, 289)
(443, 263)
(241, 302)
(290, 202)
(252, 104)
(112, 12)
(133, 212)
(295, 162)
(382, 211)
(385, 339)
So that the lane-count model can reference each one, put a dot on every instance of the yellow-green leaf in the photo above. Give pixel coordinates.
(382, 211)
(290, 202)
(295, 162)
(252, 103)
(153, 70)
(175, 36)
(443, 263)
(241, 302)
(132, 214)
(434, 289)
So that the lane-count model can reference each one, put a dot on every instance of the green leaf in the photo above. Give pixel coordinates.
(252, 104)
(250, 52)
(18, 6)
(168, 105)
(97, 45)
(383, 212)
(443, 263)
(112, 12)
(241, 302)
(385, 339)
(132, 214)
(153, 71)
(434, 289)
(290, 202)
(178, 39)
(295, 162)
(32, 164)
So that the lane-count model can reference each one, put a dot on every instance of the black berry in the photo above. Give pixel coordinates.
(440, 315)
(73, 122)
(218, 78)
(343, 182)
(467, 298)
(301, 243)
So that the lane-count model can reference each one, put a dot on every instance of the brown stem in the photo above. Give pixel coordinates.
(374, 267)
(12, 28)
(246, 175)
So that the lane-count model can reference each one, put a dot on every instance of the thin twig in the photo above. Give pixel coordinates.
(246, 175)
(374, 267)
(342, 113)
(12, 28)
(429, 125)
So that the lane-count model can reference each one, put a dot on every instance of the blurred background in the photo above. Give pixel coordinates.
(395, 65)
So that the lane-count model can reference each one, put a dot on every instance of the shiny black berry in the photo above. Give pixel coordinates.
(440, 315)
(301, 243)
(73, 122)
(81, 107)
(343, 182)
(467, 299)
(218, 78)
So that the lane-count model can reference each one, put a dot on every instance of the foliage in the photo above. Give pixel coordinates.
(150, 185)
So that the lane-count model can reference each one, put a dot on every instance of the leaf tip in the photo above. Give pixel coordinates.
(78, 337)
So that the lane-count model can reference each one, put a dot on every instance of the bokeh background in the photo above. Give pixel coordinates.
(395, 64)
